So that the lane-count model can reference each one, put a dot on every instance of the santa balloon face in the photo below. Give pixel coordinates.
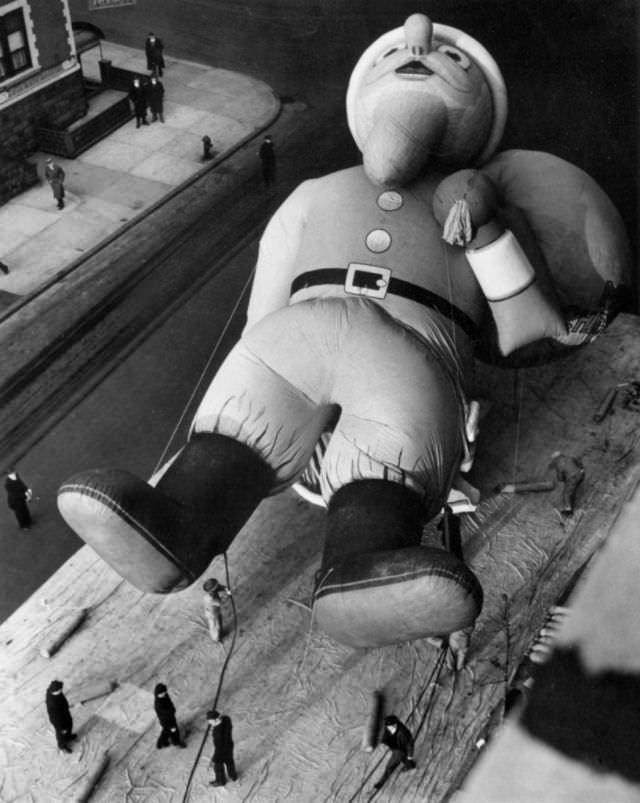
(419, 98)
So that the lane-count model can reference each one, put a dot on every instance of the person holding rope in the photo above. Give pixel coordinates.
(221, 734)
(214, 594)
(397, 737)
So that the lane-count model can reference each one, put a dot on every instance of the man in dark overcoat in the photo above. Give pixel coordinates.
(59, 715)
(267, 156)
(155, 54)
(55, 175)
(221, 734)
(138, 97)
(166, 713)
(18, 495)
(397, 737)
(155, 96)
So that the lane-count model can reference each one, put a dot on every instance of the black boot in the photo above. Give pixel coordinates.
(377, 585)
(162, 539)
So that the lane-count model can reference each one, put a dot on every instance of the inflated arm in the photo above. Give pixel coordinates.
(279, 245)
(466, 205)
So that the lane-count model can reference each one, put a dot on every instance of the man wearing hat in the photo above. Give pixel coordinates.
(59, 715)
(397, 737)
(214, 594)
(18, 497)
(166, 713)
(221, 734)
(267, 156)
(54, 174)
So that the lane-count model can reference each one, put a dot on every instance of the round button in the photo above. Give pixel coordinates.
(378, 240)
(390, 200)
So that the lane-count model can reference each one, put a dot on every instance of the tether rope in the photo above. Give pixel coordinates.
(214, 351)
(160, 462)
(203, 741)
(431, 683)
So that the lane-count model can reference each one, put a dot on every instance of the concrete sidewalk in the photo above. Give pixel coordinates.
(131, 170)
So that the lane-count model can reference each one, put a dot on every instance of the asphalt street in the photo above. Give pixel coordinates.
(142, 408)
(115, 394)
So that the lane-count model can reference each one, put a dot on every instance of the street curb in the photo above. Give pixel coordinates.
(28, 298)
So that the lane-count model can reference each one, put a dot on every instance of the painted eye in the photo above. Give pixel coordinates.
(460, 58)
(382, 57)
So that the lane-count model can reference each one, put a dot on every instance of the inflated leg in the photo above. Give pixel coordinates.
(162, 539)
(377, 585)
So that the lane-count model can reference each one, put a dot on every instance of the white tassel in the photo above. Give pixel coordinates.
(457, 226)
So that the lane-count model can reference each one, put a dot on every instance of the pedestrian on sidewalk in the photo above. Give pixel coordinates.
(221, 734)
(18, 496)
(166, 713)
(207, 144)
(155, 95)
(138, 97)
(267, 156)
(59, 715)
(54, 174)
(155, 54)
(397, 737)
(214, 594)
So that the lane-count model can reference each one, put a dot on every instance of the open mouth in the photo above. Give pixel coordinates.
(414, 68)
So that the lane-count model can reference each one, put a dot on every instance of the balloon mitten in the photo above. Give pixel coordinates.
(376, 288)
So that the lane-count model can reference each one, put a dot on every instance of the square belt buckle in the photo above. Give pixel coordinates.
(367, 280)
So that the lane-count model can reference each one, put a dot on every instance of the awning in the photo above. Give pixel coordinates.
(86, 36)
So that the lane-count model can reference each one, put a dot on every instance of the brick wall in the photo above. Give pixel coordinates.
(55, 106)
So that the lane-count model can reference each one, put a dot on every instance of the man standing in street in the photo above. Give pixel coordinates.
(214, 593)
(166, 713)
(155, 59)
(397, 737)
(18, 496)
(267, 156)
(222, 748)
(54, 174)
(59, 715)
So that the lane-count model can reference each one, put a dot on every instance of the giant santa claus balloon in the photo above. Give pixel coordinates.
(376, 288)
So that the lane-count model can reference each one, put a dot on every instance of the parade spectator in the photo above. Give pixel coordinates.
(397, 737)
(155, 54)
(59, 715)
(267, 156)
(18, 497)
(138, 97)
(207, 145)
(166, 713)
(214, 594)
(55, 175)
(155, 96)
(221, 734)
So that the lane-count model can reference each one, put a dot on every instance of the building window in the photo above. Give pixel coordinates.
(14, 45)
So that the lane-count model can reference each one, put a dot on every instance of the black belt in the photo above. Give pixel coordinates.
(396, 286)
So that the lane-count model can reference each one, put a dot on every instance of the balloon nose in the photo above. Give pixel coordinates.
(418, 32)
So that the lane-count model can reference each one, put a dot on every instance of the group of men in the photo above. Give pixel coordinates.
(149, 93)
(222, 760)
(396, 736)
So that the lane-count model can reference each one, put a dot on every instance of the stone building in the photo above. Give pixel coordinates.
(41, 84)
